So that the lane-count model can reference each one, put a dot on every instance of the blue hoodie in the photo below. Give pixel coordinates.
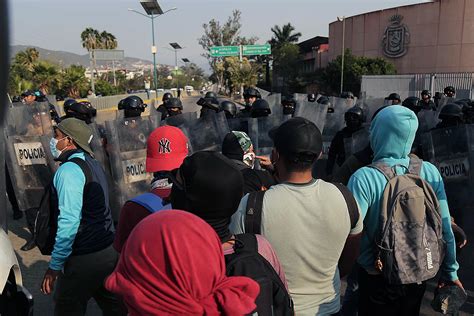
(392, 133)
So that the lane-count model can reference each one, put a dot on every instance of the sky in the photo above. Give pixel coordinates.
(57, 24)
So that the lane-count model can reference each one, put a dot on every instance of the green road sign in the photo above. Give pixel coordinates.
(248, 50)
(223, 51)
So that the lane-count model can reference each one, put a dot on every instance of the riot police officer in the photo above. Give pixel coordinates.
(312, 97)
(83, 111)
(354, 118)
(413, 103)
(208, 104)
(174, 107)
(67, 104)
(450, 92)
(250, 96)
(426, 103)
(289, 105)
(324, 100)
(229, 108)
(29, 97)
(393, 99)
(162, 108)
(210, 95)
(133, 106)
(468, 112)
(260, 108)
(451, 115)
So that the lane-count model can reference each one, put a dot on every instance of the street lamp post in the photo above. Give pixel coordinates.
(176, 46)
(186, 63)
(343, 20)
(153, 10)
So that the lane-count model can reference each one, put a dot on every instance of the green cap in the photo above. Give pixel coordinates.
(244, 140)
(79, 131)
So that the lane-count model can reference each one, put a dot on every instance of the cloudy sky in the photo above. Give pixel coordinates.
(57, 24)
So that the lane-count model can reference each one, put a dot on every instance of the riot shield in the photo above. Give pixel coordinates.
(127, 142)
(453, 154)
(28, 156)
(258, 132)
(239, 124)
(184, 119)
(207, 132)
(443, 101)
(274, 100)
(263, 93)
(427, 120)
(371, 106)
(313, 111)
(358, 141)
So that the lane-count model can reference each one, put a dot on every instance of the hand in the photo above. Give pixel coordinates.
(265, 162)
(49, 278)
(443, 283)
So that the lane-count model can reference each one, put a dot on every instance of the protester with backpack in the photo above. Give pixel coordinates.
(78, 227)
(167, 146)
(313, 225)
(210, 186)
(173, 264)
(407, 227)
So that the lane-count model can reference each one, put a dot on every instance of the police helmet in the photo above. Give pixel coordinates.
(210, 94)
(425, 92)
(229, 108)
(311, 97)
(394, 97)
(82, 111)
(67, 104)
(451, 110)
(166, 97)
(132, 102)
(323, 100)
(260, 108)
(449, 89)
(347, 95)
(252, 93)
(210, 103)
(355, 113)
(174, 103)
(412, 103)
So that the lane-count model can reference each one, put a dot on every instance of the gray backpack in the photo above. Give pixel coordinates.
(410, 248)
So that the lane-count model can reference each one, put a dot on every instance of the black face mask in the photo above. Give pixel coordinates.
(353, 124)
(174, 113)
(288, 110)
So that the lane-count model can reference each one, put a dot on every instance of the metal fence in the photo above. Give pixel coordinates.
(412, 85)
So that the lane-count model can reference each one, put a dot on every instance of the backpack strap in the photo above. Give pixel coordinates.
(246, 242)
(384, 169)
(253, 213)
(415, 165)
(150, 201)
(84, 167)
(352, 207)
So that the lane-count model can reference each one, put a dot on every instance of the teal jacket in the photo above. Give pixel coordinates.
(392, 133)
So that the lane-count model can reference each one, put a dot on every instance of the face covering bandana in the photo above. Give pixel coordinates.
(249, 159)
(52, 146)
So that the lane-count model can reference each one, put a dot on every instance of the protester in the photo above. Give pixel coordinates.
(83, 255)
(173, 264)
(307, 221)
(167, 146)
(238, 147)
(391, 136)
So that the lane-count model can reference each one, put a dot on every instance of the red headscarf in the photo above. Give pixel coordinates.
(172, 264)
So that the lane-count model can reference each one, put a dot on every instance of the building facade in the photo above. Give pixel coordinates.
(432, 37)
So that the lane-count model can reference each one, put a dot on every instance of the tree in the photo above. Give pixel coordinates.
(46, 76)
(74, 83)
(91, 39)
(227, 34)
(241, 74)
(354, 68)
(284, 35)
(108, 41)
(27, 59)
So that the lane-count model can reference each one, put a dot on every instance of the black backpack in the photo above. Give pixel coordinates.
(273, 298)
(253, 213)
(46, 222)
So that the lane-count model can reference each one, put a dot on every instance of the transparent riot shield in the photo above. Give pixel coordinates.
(258, 132)
(239, 124)
(263, 93)
(427, 120)
(274, 100)
(452, 152)
(185, 119)
(126, 144)
(207, 132)
(28, 156)
(443, 101)
(358, 141)
(313, 111)
(372, 105)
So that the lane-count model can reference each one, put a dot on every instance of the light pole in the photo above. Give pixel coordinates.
(176, 46)
(343, 20)
(153, 10)
(186, 63)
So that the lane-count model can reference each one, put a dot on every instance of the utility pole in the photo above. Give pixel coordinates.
(343, 20)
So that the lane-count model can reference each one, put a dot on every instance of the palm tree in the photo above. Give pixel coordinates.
(46, 76)
(27, 58)
(108, 40)
(284, 35)
(90, 39)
